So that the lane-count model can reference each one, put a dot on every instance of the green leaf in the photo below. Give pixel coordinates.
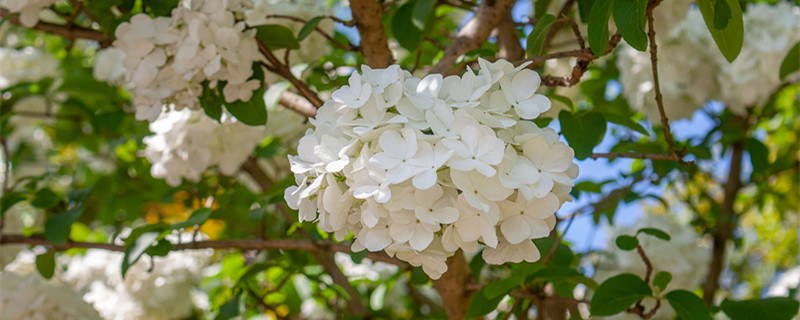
(540, 8)
(79, 195)
(502, 287)
(688, 306)
(230, 309)
(759, 154)
(139, 241)
(722, 14)
(46, 264)
(418, 276)
(662, 279)
(562, 257)
(45, 198)
(211, 102)
(629, 15)
(627, 243)
(658, 233)
(791, 63)
(276, 36)
(308, 28)
(197, 218)
(584, 9)
(583, 131)
(160, 249)
(625, 122)
(254, 111)
(423, 14)
(481, 305)
(161, 7)
(9, 200)
(777, 308)
(536, 38)
(257, 214)
(617, 294)
(598, 26)
(57, 227)
(729, 40)
(404, 30)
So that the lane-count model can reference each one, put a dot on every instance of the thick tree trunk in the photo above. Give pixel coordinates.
(452, 287)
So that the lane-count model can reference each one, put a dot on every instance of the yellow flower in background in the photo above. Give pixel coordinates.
(177, 211)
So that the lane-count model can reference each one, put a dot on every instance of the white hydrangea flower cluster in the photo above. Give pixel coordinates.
(692, 71)
(25, 65)
(32, 298)
(28, 10)
(186, 142)
(424, 167)
(168, 58)
(160, 293)
(685, 256)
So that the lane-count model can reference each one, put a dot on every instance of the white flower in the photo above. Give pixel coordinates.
(526, 219)
(410, 165)
(521, 92)
(186, 142)
(28, 10)
(31, 297)
(353, 96)
(478, 149)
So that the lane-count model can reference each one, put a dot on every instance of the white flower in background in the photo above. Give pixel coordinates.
(25, 65)
(685, 256)
(692, 71)
(787, 281)
(28, 10)
(31, 297)
(187, 142)
(424, 167)
(108, 65)
(770, 31)
(14, 223)
(160, 293)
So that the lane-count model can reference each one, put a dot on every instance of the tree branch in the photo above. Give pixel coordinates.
(725, 222)
(368, 16)
(651, 34)
(452, 287)
(474, 33)
(69, 32)
(282, 70)
(508, 46)
(651, 156)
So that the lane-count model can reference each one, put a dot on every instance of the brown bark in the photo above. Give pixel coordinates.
(508, 46)
(725, 223)
(69, 32)
(368, 15)
(474, 32)
(452, 287)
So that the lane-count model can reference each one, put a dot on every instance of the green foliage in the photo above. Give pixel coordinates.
(535, 40)
(46, 264)
(57, 227)
(629, 16)
(791, 63)
(770, 308)
(688, 305)
(308, 28)
(276, 36)
(583, 131)
(724, 21)
(658, 233)
(627, 243)
(661, 280)
(617, 294)
(408, 35)
(598, 26)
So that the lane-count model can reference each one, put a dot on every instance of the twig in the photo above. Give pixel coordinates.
(280, 69)
(558, 24)
(651, 34)
(243, 244)
(72, 32)
(651, 156)
(648, 265)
